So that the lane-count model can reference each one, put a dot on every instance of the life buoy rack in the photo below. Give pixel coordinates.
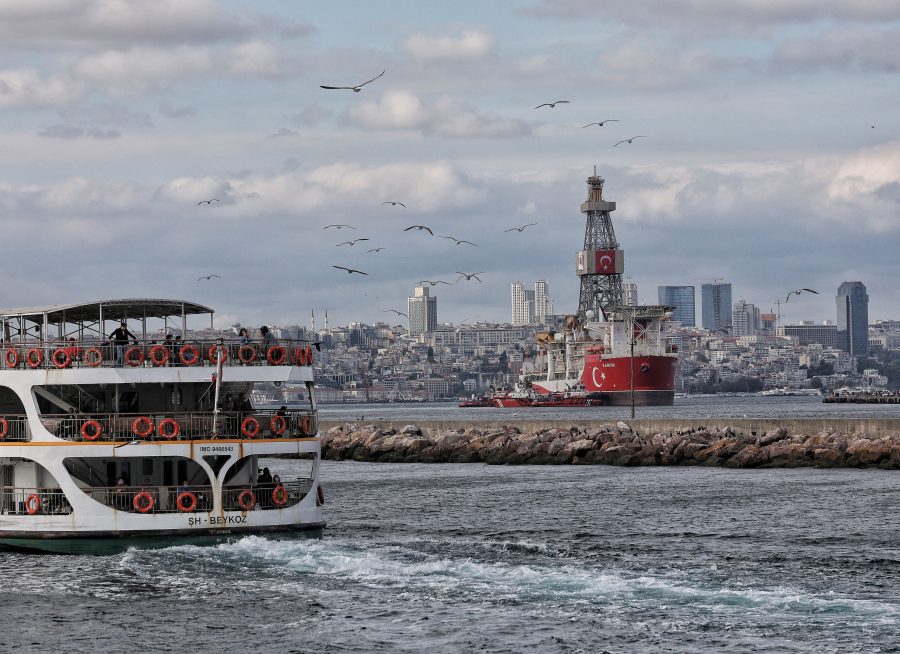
(247, 354)
(320, 495)
(305, 425)
(189, 355)
(4, 428)
(134, 356)
(277, 355)
(61, 358)
(92, 357)
(142, 427)
(33, 504)
(278, 425)
(214, 357)
(159, 355)
(168, 428)
(91, 430)
(279, 495)
(186, 502)
(143, 502)
(34, 358)
(250, 427)
(246, 500)
(12, 358)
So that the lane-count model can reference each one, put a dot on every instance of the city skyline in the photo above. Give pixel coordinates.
(781, 138)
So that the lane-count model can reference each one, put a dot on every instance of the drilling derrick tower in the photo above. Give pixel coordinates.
(601, 263)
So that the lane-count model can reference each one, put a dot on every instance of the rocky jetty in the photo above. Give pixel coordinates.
(615, 444)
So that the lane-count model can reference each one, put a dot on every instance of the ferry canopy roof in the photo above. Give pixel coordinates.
(132, 309)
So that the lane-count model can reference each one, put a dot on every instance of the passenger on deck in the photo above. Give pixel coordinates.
(265, 340)
(119, 339)
(265, 488)
(179, 343)
(243, 404)
(120, 499)
(173, 351)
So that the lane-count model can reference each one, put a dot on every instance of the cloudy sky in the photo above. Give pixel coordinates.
(772, 156)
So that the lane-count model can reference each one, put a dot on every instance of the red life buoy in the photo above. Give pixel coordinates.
(159, 355)
(32, 504)
(276, 356)
(250, 427)
(299, 356)
(34, 358)
(134, 356)
(189, 355)
(278, 425)
(186, 502)
(142, 427)
(93, 357)
(320, 495)
(246, 500)
(214, 357)
(61, 358)
(4, 428)
(304, 425)
(309, 359)
(247, 354)
(12, 358)
(168, 428)
(143, 502)
(279, 495)
(91, 430)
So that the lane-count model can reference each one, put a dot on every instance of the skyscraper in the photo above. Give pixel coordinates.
(630, 293)
(853, 318)
(422, 311)
(682, 298)
(745, 319)
(522, 304)
(543, 305)
(716, 306)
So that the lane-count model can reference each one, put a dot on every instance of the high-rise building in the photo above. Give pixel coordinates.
(682, 298)
(630, 293)
(422, 312)
(716, 306)
(523, 301)
(853, 318)
(744, 319)
(824, 334)
(543, 305)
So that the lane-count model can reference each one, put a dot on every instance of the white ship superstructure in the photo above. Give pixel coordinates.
(102, 440)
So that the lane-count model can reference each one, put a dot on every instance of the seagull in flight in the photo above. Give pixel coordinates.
(350, 271)
(351, 243)
(602, 122)
(469, 276)
(208, 277)
(394, 204)
(339, 226)
(798, 292)
(434, 282)
(399, 313)
(375, 250)
(355, 89)
(210, 201)
(552, 105)
(639, 136)
(420, 227)
(459, 241)
(519, 229)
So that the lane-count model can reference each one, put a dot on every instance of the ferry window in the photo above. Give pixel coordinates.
(10, 403)
(147, 467)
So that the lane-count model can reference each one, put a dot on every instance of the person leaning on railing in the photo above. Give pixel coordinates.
(119, 339)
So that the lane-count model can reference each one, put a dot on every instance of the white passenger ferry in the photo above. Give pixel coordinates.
(106, 444)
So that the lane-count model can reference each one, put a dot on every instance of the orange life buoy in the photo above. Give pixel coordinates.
(214, 357)
(246, 500)
(278, 425)
(305, 425)
(298, 356)
(142, 427)
(320, 495)
(159, 355)
(34, 358)
(93, 357)
(32, 504)
(247, 354)
(168, 428)
(279, 495)
(143, 502)
(61, 358)
(91, 430)
(12, 358)
(276, 356)
(186, 502)
(4, 428)
(134, 356)
(250, 427)
(189, 355)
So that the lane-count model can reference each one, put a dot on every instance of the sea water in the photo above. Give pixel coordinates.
(469, 557)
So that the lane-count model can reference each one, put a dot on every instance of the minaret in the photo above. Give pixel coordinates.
(326, 320)
(601, 263)
(312, 321)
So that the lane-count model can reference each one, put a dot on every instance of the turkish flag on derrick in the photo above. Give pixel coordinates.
(605, 261)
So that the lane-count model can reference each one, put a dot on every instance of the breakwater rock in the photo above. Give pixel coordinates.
(614, 444)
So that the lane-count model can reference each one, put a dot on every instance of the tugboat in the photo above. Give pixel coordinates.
(109, 440)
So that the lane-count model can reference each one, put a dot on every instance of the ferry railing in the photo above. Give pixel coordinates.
(172, 427)
(61, 355)
(265, 496)
(17, 500)
(14, 428)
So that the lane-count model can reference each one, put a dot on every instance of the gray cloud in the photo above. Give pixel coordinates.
(177, 111)
(63, 131)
